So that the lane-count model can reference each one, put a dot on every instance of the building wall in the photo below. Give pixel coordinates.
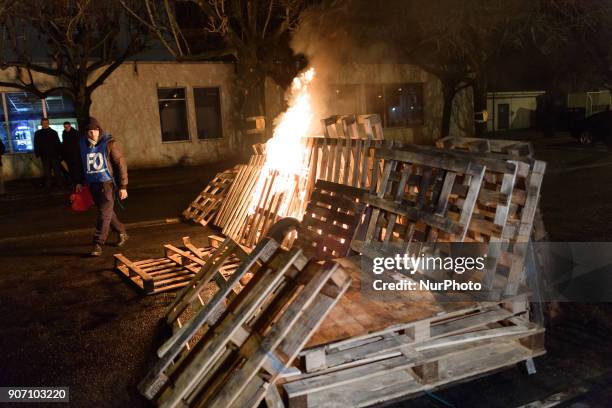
(522, 107)
(591, 101)
(126, 105)
(363, 74)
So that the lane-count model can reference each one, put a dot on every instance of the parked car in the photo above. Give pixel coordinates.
(595, 128)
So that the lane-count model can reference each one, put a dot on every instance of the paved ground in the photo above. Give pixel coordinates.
(154, 194)
(69, 320)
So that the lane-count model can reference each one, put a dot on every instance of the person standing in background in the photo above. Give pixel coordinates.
(47, 146)
(105, 171)
(71, 152)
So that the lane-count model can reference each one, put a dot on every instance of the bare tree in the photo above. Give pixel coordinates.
(573, 38)
(70, 46)
(460, 42)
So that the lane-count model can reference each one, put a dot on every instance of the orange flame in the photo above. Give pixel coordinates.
(285, 151)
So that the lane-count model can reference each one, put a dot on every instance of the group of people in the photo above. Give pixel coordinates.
(95, 160)
(51, 151)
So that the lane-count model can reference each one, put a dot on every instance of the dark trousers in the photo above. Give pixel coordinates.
(104, 196)
(52, 169)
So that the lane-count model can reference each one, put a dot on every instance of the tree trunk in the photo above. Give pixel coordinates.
(448, 91)
(250, 101)
(480, 105)
(82, 106)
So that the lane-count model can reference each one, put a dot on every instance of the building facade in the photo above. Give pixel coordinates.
(169, 113)
(162, 114)
(407, 98)
(512, 110)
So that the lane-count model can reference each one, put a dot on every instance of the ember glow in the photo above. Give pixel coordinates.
(285, 163)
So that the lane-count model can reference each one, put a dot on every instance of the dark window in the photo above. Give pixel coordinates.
(173, 114)
(59, 106)
(60, 109)
(208, 113)
(397, 104)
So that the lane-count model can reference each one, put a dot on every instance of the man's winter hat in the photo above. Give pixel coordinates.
(93, 124)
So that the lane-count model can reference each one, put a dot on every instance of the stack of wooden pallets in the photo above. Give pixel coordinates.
(230, 352)
(370, 350)
(293, 328)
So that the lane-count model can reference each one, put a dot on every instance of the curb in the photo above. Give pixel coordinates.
(59, 234)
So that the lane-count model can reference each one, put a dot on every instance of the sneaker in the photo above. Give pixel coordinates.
(122, 239)
(96, 250)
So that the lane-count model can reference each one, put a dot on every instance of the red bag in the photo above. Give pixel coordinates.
(81, 200)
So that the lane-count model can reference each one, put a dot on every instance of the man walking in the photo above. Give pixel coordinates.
(105, 171)
(47, 146)
(71, 152)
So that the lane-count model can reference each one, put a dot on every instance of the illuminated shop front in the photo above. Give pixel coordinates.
(21, 113)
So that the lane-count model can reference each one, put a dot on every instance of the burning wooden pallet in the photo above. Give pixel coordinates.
(204, 208)
(236, 344)
(243, 351)
(235, 208)
(175, 270)
(343, 156)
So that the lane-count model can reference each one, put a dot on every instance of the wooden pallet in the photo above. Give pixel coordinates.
(217, 269)
(511, 148)
(420, 198)
(205, 206)
(174, 350)
(500, 148)
(255, 340)
(331, 220)
(358, 352)
(173, 271)
(507, 211)
(234, 209)
(345, 153)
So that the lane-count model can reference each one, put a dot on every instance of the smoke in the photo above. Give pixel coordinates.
(336, 38)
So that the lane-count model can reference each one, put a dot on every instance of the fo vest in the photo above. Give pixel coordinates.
(95, 164)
